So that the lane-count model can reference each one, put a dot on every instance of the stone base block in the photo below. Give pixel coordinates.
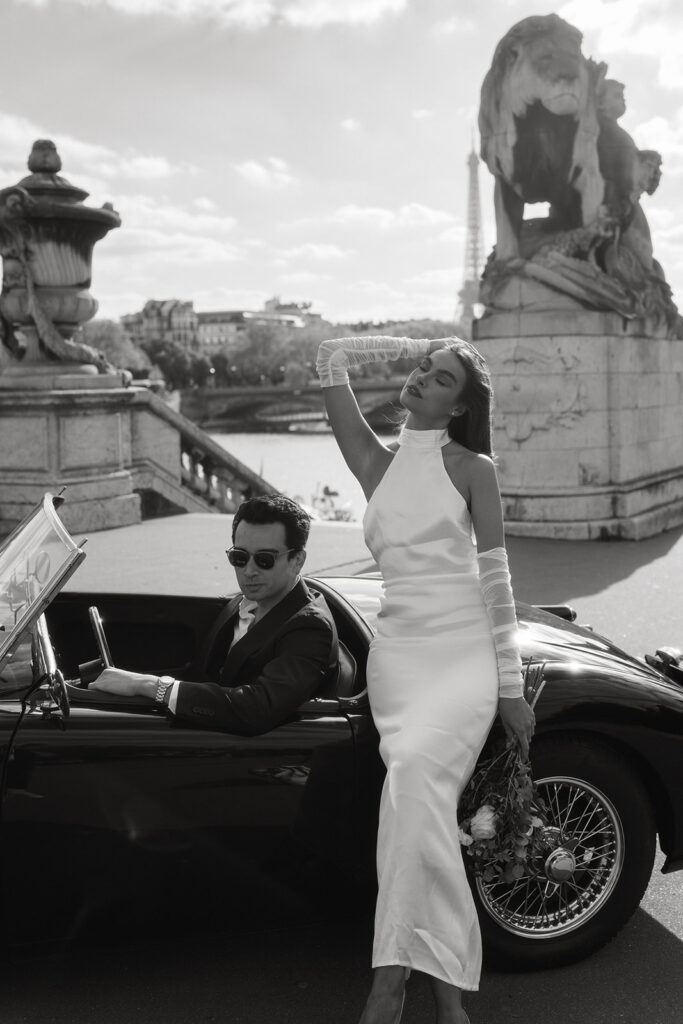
(76, 440)
(607, 514)
(92, 503)
(589, 424)
(100, 514)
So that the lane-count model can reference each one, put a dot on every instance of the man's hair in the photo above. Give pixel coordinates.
(276, 508)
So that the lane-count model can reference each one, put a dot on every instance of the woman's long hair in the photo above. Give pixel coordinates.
(473, 428)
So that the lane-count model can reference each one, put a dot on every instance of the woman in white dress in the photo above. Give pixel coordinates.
(445, 657)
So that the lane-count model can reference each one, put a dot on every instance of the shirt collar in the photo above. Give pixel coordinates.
(248, 607)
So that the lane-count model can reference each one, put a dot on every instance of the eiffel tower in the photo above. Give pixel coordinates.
(474, 248)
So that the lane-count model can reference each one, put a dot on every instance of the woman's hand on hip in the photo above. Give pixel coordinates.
(518, 721)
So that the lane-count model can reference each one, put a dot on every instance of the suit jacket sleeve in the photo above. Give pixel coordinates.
(296, 668)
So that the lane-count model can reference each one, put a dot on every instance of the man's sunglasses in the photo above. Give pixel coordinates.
(239, 557)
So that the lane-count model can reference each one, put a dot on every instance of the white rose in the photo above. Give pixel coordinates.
(483, 824)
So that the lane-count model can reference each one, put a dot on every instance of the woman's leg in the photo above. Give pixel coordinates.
(448, 1003)
(385, 1001)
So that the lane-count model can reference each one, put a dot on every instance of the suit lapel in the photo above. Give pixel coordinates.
(266, 628)
(218, 640)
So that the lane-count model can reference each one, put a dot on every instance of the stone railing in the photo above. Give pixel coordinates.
(207, 471)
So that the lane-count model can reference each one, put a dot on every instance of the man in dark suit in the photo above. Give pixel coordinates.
(270, 649)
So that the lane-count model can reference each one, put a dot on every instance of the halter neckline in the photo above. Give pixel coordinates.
(428, 440)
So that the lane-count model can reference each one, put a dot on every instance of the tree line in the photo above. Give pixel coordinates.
(267, 354)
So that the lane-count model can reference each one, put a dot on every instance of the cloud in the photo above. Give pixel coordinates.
(220, 297)
(156, 234)
(665, 135)
(422, 114)
(650, 28)
(411, 215)
(350, 124)
(84, 163)
(437, 278)
(318, 13)
(142, 211)
(253, 14)
(305, 277)
(378, 289)
(151, 247)
(273, 174)
(453, 234)
(457, 25)
(376, 301)
(317, 251)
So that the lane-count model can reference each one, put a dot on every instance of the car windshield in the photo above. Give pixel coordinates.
(35, 562)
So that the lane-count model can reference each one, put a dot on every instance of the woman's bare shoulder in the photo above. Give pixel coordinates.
(467, 470)
(472, 462)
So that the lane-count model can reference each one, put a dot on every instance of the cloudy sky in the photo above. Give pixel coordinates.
(313, 149)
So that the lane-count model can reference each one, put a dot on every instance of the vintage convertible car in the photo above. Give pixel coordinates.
(117, 819)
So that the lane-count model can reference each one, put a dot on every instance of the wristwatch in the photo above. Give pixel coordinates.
(163, 685)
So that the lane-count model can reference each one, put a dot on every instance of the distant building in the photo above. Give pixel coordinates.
(299, 310)
(214, 331)
(166, 320)
(222, 330)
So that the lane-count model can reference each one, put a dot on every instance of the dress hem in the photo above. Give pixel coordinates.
(465, 986)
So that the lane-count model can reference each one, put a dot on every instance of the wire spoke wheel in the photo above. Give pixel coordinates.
(574, 877)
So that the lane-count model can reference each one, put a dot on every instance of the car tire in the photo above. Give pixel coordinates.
(601, 821)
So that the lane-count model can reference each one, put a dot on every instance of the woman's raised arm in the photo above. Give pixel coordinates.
(359, 445)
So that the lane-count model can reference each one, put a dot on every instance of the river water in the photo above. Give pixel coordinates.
(299, 465)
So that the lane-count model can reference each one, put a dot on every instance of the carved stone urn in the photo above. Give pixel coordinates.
(47, 236)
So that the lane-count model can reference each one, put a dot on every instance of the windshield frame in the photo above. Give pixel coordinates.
(34, 608)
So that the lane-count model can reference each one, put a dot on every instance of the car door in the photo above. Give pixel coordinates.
(115, 814)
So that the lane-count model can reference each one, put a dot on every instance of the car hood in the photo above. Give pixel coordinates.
(543, 637)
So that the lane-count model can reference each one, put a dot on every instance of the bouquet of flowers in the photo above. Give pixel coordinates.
(501, 815)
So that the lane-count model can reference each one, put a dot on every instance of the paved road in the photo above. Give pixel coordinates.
(316, 974)
(306, 975)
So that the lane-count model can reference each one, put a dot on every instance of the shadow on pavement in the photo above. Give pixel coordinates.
(554, 568)
(310, 974)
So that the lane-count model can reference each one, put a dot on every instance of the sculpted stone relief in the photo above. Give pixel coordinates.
(549, 130)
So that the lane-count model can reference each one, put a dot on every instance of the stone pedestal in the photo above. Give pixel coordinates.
(589, 424)
(78, 439)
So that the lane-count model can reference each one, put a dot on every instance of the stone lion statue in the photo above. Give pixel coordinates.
(539, 127)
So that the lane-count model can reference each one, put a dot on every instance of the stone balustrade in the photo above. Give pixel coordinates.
(122, 453)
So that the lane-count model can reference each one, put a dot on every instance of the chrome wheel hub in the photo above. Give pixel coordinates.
(560, 865)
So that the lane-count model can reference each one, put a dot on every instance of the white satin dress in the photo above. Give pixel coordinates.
(433, 690)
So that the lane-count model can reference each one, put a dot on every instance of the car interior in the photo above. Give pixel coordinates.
(165, 635)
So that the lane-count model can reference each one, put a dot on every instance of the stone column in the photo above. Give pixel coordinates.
(58, 427)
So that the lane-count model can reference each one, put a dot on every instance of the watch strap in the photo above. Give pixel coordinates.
(164, 683)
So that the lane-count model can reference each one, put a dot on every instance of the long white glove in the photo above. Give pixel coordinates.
(494, 577)
(335, 357)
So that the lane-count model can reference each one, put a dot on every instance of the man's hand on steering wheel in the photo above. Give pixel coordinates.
(126, 684)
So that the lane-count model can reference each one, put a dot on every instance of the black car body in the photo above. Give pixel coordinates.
(112, 813)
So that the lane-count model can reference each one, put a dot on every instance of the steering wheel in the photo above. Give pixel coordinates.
(90, 670)
(100, 638)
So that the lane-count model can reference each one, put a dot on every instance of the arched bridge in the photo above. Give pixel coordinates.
(279, 407)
